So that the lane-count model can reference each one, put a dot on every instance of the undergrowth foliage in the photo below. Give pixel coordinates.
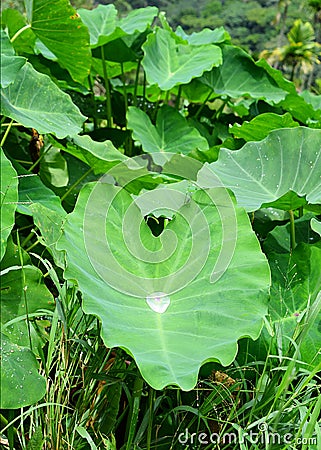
(160, 238)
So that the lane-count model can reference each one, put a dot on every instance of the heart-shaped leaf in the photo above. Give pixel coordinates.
(172, 133)
(60, 28)
(154, 295)
(262, 172)
(21, 384)
(9, 199)
(168, 63)
(36, 102)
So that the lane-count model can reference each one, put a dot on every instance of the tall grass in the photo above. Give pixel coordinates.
(96, 398)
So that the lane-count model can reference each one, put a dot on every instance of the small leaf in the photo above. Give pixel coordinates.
(172, 133)
(53, 168)
(36, 102)
(296, 286)
(316, 226)
(21, 384)
(22, 291)
(168, 63)
(206, 36)
(9, 199)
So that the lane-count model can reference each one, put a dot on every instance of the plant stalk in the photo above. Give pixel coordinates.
(136, 83)
(124, 87)
(4, 137)
(107, 87)
(178, 98)
(292, 231)
(76, 183)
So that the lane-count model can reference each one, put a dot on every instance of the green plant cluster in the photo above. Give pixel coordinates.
(160, 236)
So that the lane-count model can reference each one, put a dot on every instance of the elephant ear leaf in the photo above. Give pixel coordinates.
(168, 63)
(268, 172)
(21, 384)
(169, 314)
(60, 29)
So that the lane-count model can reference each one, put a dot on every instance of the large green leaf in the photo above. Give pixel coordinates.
(154, 295)
(35, 101)
(21, 384)
(9, 199)
(172, 133)
(240, 76)
(296, 286)
(168, 63)
(60, 28)
(262, 172)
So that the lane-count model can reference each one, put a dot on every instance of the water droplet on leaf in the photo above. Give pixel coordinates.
(158, 302)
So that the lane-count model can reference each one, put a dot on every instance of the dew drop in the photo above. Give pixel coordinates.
(158, 302)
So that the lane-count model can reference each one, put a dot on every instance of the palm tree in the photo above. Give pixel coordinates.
(299, 56)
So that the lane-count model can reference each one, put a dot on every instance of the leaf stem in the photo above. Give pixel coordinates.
(178, 98)
(144, 92)
(124, 87)
(292, 230)
(200, 109)
(75, 184)
(136, 82)
(107, 87)
(19, 32)
(3, 140)
(92, 96)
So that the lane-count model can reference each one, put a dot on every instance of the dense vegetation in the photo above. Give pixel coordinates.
(160, 233)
